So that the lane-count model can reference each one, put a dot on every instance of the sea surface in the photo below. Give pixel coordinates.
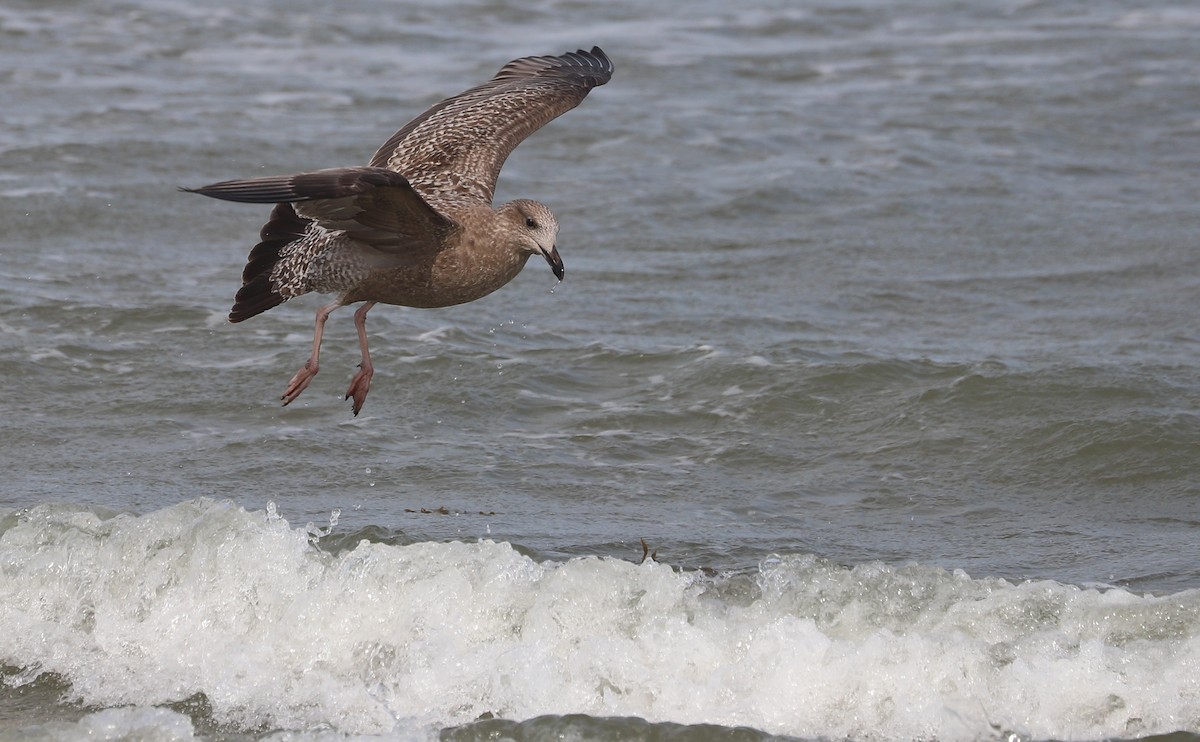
(869, 408)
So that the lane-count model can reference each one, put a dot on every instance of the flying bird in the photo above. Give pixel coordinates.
(416, 227)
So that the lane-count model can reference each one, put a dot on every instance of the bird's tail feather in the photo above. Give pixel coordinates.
(259, 293)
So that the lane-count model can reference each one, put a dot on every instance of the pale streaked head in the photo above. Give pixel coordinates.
(536, 230)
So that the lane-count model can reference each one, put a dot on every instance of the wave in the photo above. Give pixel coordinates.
(277, 627)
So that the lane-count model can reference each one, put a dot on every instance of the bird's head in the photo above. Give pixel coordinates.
(536, 230)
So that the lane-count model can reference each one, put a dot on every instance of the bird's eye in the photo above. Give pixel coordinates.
(531, 222)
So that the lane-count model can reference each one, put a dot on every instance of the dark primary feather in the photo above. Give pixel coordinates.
(594, 67)
(373, 205)
(336, 182)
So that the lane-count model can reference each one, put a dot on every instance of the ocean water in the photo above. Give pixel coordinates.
(869, 408)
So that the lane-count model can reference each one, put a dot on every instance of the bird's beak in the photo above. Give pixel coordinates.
(552, 257)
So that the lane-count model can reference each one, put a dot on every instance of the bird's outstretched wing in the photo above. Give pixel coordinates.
(453, 152)
(373, 205)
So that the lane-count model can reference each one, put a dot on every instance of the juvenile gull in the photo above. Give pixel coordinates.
(416, 226)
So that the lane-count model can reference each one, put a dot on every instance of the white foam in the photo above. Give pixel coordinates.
(117, 725)
(205, 597)
(40, 191)
(436, 335)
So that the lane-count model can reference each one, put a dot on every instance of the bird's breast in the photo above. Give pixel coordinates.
(453, 276)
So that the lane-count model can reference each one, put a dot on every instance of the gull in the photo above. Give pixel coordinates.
(415, 227)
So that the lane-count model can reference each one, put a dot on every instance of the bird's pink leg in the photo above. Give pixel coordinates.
(361, 383)
(300, 381)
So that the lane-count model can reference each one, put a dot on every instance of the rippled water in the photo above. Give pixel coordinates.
(878, 327)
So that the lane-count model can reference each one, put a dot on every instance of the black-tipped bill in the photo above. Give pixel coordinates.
(555, 262)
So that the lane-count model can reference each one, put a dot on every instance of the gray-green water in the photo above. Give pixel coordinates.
(858, 295)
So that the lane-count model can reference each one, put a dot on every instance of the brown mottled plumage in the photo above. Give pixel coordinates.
(416, 227)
